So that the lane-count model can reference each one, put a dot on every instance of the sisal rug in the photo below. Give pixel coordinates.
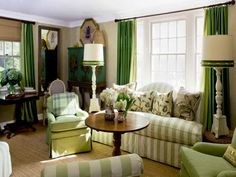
(29, 154)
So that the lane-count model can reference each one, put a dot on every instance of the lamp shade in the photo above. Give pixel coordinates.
(93, 55)
(217, 51)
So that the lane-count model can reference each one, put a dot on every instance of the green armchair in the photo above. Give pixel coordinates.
(66, 131)
(206, 160)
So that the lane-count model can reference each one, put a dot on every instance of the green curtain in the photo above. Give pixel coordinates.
(216, 22)
(29, 110)
(126, 52)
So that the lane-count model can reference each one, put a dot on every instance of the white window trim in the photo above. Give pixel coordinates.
(190, 65)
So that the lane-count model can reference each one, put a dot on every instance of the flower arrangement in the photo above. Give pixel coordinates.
(108, 96)
(124, 102)
(12, 77)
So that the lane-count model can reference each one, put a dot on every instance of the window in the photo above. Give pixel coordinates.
(9, 55)
(169, 50)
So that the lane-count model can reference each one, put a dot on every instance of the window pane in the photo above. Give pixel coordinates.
(164, 30)
(181, 63)
(155, 46)
(181, 45)
(181, 28)
(200, 25)
(172, 29)
(164, 45)
(1, 48)
(155, 63)
(171, 63)
(9, 62)
(156, 30)
(163, 63)
(199, 44)
(8, 48)
(16, 49)
(16, 63)
(172, 45)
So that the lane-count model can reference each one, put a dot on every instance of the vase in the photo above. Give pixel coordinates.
(121, 116)
(109, 113)
(11, 89)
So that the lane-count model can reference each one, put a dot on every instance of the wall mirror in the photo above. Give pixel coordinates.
(48, 63)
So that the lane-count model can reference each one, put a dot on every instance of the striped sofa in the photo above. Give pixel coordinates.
(119, 166)
(162, 139)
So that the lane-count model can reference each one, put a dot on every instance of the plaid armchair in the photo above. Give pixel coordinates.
(66, 132)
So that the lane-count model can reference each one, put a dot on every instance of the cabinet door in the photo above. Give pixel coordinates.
(78, 72)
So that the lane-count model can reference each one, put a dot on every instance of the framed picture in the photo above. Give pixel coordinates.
(51, 40)
(87, 31)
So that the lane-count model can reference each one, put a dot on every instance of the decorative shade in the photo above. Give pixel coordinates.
(93, 55)
(217, 51)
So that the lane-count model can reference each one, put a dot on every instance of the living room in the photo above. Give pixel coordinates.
(168, 37)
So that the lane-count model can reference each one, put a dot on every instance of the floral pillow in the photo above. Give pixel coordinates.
(162, 104)
(143, 101)
(186, 104)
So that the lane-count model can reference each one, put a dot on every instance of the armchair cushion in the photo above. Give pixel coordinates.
(65, 103)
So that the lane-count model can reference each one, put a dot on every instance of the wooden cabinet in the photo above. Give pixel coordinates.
(81, 76)
(80, 73)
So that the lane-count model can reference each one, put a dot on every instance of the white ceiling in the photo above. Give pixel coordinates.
(71, 13)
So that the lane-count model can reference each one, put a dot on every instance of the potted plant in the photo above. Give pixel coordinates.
(11, 77)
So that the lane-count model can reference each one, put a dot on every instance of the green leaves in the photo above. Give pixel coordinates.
(10, 76)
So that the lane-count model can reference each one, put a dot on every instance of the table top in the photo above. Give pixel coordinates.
(133, 122)
(15, 99)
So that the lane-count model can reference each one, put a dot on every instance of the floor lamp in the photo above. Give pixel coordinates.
(93, 56)
(218, 54)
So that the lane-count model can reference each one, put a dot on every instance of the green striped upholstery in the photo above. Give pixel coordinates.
(171, 129)
(118, 166)
(155, 149)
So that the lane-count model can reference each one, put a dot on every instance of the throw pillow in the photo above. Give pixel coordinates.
(186, 104)
(162, 104)
(143, 101)
(65, 103)
(124, 88)
(230, 155)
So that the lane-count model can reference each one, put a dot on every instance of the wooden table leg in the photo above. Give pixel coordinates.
(117, 144)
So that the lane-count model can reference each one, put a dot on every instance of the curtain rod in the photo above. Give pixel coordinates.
(177, 11)
(23, 21)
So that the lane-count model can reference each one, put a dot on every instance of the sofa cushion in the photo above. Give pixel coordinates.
(186, 104)
(162, 104)
(67, 122)
(143, 101)
(65, 103)
(194, 163)
(171, 129)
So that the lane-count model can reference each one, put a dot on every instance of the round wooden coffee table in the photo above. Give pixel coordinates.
(133, 122)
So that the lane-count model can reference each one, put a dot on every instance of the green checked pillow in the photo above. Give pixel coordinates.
(143, 101)
(65, 103)
(162, 104)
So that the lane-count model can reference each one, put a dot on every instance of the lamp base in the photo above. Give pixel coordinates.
(94, 105)
(219, 126)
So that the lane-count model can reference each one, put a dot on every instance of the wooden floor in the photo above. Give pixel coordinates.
(29, 154)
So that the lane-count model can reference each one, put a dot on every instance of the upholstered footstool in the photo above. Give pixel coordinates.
(118, 166)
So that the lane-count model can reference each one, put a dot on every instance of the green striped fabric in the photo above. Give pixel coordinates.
(171, 129)
(118, 166)
(154, 149)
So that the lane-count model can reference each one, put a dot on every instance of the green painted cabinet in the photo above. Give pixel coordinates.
(80, 73)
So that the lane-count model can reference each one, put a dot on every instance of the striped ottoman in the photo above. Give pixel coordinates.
(118, 166)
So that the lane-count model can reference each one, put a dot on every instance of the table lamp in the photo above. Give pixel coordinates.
(218, 54)
(93, 56)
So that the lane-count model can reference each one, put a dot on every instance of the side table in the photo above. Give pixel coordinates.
(209, 137)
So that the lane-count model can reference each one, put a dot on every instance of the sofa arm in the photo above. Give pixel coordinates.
(82, 114)
(119, 166)
(227, 173)
(210, 148)
(51, 117)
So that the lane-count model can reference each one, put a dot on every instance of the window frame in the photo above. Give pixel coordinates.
(191, 28)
